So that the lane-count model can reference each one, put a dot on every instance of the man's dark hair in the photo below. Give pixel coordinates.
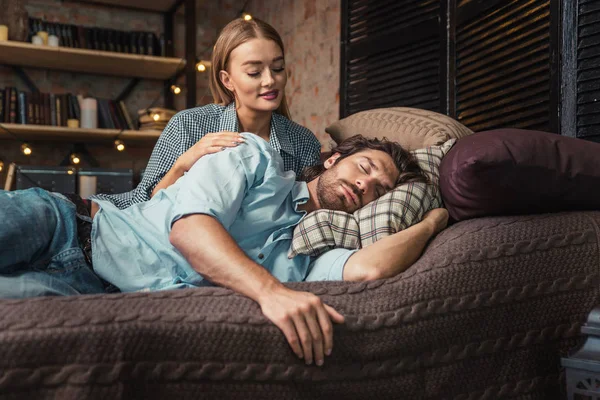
(403, 159)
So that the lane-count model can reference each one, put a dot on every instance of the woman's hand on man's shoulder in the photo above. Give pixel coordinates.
(210, 143)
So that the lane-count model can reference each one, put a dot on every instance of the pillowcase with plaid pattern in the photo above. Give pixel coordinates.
(323, 230)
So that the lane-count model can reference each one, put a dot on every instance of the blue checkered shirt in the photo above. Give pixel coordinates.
(297, 145)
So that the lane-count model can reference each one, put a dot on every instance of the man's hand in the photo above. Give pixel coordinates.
(395, 253)
(304, 320)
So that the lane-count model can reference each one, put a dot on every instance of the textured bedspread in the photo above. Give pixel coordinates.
(485, 313)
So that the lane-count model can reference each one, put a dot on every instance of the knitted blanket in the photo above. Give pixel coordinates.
(486, 312)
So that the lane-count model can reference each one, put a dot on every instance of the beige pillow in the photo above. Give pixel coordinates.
(413, 128)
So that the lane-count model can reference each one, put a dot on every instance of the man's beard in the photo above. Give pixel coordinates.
(328, 192)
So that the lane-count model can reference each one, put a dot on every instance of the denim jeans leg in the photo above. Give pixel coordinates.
(39, 249)
(31, 284)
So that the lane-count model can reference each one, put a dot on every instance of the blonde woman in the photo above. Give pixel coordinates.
(247, 82)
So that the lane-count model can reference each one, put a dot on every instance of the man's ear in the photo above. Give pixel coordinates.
(331, 160)
(226, 80)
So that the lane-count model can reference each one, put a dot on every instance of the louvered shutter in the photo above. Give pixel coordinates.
(588, 70)
(390, 55)
(503, 64)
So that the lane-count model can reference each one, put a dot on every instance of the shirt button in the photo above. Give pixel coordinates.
(261, 256)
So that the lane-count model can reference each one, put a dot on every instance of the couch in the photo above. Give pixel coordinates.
(485, 313)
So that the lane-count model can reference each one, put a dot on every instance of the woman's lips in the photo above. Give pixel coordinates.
(270, 95)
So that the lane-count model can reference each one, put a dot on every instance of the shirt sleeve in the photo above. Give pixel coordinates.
(216, 185)
(329, 266)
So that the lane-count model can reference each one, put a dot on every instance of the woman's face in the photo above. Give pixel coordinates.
(256, 74)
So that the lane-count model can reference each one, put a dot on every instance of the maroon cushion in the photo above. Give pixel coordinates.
(515, 171)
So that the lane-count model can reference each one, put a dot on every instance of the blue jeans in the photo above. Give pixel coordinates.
(39, 248)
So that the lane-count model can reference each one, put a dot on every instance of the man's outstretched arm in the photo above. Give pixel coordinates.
(303, 318)
(395, 253)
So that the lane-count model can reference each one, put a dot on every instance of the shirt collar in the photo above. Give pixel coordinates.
(300, 194)
(278, 139)
(229, 121)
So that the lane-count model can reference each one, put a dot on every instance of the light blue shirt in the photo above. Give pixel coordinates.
(297, 145)
(245, 188)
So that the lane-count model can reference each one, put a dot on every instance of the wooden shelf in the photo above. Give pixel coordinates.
(44, 132)
(89, 61)
(154, 5)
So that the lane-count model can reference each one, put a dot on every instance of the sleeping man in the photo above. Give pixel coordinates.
(228, 222)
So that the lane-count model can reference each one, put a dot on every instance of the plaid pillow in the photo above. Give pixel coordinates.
(404, 206)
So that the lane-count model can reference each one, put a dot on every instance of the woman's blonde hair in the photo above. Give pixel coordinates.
(234, 34)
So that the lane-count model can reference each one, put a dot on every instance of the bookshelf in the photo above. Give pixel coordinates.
(89, 61)
(80, 135)
(19, 55)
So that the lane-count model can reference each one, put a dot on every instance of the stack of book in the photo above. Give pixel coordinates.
(155, 118)
(133, 42)
(36, 108)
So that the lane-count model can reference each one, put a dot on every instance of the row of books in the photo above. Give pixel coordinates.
(20, 107)
(77, 36)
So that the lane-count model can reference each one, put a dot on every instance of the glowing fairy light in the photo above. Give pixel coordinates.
(26, 149)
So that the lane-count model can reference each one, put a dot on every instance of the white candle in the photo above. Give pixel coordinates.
(89, 113)
(87, 186)
(53, 40)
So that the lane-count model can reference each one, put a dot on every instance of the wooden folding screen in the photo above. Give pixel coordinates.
(390, 54)
(532, 64)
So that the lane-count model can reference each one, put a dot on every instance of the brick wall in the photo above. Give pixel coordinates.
(310, 30)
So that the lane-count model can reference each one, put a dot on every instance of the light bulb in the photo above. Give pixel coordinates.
(75, 159)
(201, 67)
(247, 16)
(119, 145)
(156, 117)
(176, 89)
(70, 172)
(26, 149)
(1, 165)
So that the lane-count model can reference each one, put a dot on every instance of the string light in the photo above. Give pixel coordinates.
(175, 89)
(119, 145)
(75, 159)
(203, 65)
(1, 165)
(156, 117)
(247, 16)
(26, 149)
(70, 172)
